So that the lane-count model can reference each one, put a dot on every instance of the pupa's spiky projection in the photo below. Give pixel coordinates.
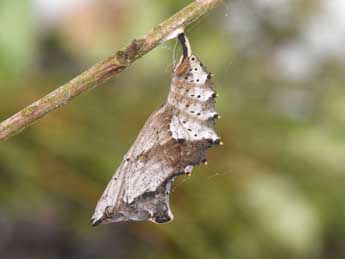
(174, 139)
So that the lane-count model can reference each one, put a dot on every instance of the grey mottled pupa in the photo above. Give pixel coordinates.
(174, 139)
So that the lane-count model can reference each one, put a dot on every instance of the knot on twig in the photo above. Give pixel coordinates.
(131, 53)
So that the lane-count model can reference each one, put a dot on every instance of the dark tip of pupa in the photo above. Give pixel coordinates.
(95, 223)
(162, 219)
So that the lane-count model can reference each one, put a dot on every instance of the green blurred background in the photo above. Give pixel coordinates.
(275, 190)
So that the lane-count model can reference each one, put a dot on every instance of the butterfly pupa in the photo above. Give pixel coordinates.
(174, 139)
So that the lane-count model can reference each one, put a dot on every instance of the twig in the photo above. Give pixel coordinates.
(106, 69)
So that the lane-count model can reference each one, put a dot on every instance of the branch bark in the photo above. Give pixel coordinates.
(106, 69)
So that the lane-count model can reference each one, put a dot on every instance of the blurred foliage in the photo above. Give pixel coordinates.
(17, 37)
(275, 190)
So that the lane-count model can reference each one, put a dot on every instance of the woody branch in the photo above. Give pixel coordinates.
(106, 69)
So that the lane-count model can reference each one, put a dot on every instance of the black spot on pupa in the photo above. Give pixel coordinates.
(209, 76)
(186, 78)
(195, 135)
(191, 81)
(197, 80)
(198, 114)
(187, 90)
(196, 69)
(184, 122)
(193, 58)
(210, 141)
(192, 95)
(187, 105)
(217, 141)
(127, 159)
(191, 111)
(214, 95)
(181, 140)
(215, 116)
(198, 96)
(189, 129)
(115, 178)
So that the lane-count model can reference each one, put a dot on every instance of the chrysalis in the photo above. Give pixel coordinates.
(174, 139)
